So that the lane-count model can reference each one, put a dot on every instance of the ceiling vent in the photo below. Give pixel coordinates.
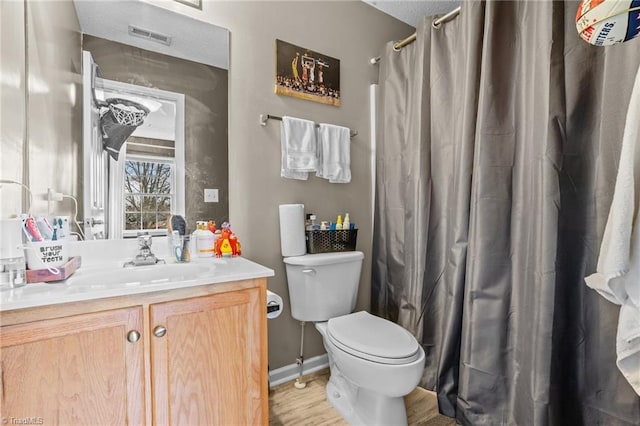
(149, 35)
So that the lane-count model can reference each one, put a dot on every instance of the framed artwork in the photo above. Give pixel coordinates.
(305, 74)
(193, 3)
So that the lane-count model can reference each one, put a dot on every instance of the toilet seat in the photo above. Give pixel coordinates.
(373, 338)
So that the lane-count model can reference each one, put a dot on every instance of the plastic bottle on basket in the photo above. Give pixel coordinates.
(339, 222)
(346, 224)
(312, 226)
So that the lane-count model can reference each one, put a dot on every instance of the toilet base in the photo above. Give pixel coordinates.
(340, 401)
(359, 406)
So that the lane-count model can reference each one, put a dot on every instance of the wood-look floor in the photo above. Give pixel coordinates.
(308, 406)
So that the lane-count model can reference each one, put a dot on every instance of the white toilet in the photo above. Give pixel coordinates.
(373, 362)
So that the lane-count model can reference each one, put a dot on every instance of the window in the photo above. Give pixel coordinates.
(149, 194)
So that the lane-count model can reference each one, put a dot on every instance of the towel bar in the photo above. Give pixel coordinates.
(265, 117)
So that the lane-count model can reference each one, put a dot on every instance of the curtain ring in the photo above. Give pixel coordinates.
(435, 24)
(396, 48)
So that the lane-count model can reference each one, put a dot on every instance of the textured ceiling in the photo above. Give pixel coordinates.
(412, 11)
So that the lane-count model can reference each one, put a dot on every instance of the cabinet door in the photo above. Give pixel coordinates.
(78, 370)
(209, 366)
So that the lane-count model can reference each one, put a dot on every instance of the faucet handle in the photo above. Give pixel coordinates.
(144, 240)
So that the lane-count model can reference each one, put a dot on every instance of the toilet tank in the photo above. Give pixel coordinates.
(323, 286)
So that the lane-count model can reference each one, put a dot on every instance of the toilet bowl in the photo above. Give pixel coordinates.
(374, 363)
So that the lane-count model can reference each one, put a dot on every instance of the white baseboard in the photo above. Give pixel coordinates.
(290, 372)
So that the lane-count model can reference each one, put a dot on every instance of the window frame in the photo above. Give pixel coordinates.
(129, 233)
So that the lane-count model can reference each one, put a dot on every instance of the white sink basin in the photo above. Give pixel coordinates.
(142, 275)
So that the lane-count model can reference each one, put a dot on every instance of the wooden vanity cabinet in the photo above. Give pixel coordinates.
(205, 360)
(199, 358)
(75, 370)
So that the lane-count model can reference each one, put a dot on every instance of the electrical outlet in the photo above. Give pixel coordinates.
(210, 195)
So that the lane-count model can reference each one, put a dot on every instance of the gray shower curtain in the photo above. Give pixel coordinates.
(500, 138)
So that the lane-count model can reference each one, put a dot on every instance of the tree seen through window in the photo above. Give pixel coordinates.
(147, 187)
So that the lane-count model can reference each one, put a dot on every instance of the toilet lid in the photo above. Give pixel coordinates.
(373, 338)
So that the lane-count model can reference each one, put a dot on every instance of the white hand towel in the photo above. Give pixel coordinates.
(334, 153)
(618, 272)
(298, 140)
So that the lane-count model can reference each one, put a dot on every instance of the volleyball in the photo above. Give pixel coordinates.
(606, 22)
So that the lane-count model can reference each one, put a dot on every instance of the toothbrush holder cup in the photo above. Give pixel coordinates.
(46, 255)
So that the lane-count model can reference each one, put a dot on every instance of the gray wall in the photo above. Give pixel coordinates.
(205, 89)
(350, 31)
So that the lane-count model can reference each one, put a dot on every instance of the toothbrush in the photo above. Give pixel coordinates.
(32, 228)
(44, 227)
(61, 230)
(24, 230)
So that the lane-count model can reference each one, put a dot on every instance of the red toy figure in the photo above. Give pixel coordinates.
(227, 244)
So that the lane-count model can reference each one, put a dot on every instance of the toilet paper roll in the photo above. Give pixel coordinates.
(274, 305)
(292, 238)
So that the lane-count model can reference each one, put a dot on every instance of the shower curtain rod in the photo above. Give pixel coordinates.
(437, 23)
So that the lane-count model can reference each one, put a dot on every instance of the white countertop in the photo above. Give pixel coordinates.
(99, 258)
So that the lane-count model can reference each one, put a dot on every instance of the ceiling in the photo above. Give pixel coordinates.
(110, 19)
(412, 11)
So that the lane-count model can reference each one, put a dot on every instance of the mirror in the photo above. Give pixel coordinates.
(143, 54)
(144, 186)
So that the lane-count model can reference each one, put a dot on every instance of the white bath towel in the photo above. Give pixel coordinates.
(618, 272)
(334, 153)
(299, 146)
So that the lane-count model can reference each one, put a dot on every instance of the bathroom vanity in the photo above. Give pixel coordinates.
(169, 351)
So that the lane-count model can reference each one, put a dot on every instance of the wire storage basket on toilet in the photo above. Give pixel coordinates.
(327, 241)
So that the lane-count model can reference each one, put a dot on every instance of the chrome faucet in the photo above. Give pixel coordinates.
(145, 256)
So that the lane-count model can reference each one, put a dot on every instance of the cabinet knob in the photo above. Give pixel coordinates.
(159, 331)
(133, 336)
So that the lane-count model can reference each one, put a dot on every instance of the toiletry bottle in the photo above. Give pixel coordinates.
(205, 241)
(314, 225)
(339, 222)
(196, 233)
(346, 224)
(324, 225)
